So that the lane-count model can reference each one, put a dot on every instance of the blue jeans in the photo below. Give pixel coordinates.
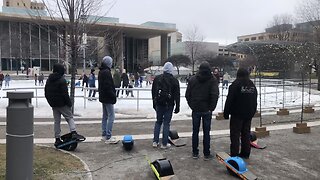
(164, 115)
(107, 120)
(93, 92)
(206, 126)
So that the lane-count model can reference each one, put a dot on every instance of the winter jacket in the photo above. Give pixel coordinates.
(117, 79)
(1, 77)
(175, 89)
(92, 80)
(202, 91)
(242, 99)
(107, 91)
(124, 79)
(7, 78)
(56, 91)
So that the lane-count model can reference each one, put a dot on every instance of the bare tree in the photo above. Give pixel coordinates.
(308, 11)
(281, 28)
(193, 45)
(179, 60)
(73, 18)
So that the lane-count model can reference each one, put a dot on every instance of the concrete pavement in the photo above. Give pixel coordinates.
(288, 155)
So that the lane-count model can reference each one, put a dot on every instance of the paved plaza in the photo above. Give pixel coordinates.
(288, 155)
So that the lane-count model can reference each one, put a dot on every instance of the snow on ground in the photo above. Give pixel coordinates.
(271, 99)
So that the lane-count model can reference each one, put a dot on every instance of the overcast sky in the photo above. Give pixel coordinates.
(218, 20)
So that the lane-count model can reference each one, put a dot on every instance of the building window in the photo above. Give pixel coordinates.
(246, 39)
(7, 3)
(261, 38)
(220, 49)
(24, 4)
(253, 38)
(17, 4)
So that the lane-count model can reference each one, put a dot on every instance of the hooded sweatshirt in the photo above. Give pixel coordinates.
(56, 88)
(107, 91)
(202, 91)
(242, 97)
(168, 79)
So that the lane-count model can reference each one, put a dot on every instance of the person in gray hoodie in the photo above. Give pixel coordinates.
(165, 95)
(108, 97)
(202, 96)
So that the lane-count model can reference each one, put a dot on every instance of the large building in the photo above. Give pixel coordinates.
(301, 32)
(28, 41)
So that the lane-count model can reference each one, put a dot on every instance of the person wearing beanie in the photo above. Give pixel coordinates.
(241, 104)
(202, 96)
(56, 93)
(107, 96)
(165, 95)
(92, 84)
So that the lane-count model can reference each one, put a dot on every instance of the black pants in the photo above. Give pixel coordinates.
(240, 127)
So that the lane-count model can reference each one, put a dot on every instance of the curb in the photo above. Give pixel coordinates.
(87, 171)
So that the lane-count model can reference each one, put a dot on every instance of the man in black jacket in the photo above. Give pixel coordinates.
(107, 96)
(168, 86)
(202, 96)
(56, 93)
(241, 103)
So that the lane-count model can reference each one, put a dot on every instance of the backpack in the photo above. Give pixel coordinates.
(164, 93)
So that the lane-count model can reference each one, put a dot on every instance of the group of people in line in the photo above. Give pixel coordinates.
(202, 95)
(38, 79)
(6, 78)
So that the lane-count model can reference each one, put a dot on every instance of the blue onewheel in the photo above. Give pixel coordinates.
(238, 164)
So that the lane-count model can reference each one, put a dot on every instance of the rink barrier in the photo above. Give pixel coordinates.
(138, 98)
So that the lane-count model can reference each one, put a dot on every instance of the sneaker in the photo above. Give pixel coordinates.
(112, 140)
(165, 146)
(209, 157)
(58, 142)
(75, 135)
(195, 156)
(155, 144)
(103, 138)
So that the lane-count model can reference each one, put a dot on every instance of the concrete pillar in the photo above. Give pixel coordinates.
(164, 48)
(19, 138)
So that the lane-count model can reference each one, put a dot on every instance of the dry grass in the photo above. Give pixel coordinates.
(48, 163)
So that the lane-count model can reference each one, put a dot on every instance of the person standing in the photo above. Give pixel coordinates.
(7, 80)
(1, 79)
(40, 79)
(92, 84)
(56, 93)
(241, 104)
(117, 80)
(35, 79)
(107, 96)
(217, 75)
(84, 80)
(125, 81)
(226, 79)
(202, 96)
(165, 95)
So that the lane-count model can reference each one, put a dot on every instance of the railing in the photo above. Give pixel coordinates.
(294, 88)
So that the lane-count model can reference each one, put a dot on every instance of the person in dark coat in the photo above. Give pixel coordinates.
(107, 96)
(241, 104)
(85, 80)
(202, 96)
(125, 81)
(164, 111)
(40, 79)
(117, 80)
(1, 79)
(56, 93)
